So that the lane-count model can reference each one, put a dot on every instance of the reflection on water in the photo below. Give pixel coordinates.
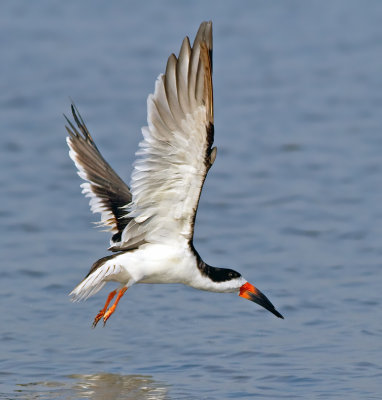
(114, 386)
(96, 387)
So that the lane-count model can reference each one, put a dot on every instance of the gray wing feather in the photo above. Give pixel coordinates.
(109, 194)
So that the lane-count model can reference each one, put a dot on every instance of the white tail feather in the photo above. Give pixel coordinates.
(95, 281)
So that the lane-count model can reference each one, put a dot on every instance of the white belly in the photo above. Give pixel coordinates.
(158, 263)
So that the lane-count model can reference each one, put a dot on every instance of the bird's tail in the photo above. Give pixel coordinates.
(102, 271)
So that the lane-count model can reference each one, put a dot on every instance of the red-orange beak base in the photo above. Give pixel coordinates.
(249, 292)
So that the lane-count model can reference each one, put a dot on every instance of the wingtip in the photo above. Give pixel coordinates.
(204, 34)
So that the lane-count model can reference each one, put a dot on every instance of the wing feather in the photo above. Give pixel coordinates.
(172, 160)
(108, 194)
(176, 151)
(182, 75)
(171, 90)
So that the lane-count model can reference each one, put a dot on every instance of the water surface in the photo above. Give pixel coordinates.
(293, 202)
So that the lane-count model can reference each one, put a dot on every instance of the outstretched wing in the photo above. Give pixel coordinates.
(176, 152)
(107, 191)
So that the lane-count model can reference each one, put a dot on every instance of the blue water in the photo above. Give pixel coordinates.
(293, 202)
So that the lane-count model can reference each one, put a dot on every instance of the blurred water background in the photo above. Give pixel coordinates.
(293, 201)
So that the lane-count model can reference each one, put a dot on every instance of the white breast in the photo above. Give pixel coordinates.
(158, 263)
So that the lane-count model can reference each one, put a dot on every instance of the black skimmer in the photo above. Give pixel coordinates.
(152, 222)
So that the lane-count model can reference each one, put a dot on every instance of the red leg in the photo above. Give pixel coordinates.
(102, 312)
(114, 306)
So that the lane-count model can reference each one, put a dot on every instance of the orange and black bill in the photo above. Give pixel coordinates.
(249, 292)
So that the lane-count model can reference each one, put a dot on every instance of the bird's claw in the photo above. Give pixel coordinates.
(107, 314)
(97, 318)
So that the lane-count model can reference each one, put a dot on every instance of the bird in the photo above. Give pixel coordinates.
(152, 220)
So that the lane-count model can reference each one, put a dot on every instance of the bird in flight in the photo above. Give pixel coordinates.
(152, 221)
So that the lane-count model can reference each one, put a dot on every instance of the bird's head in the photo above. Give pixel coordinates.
(229, 280)
(249, 292)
